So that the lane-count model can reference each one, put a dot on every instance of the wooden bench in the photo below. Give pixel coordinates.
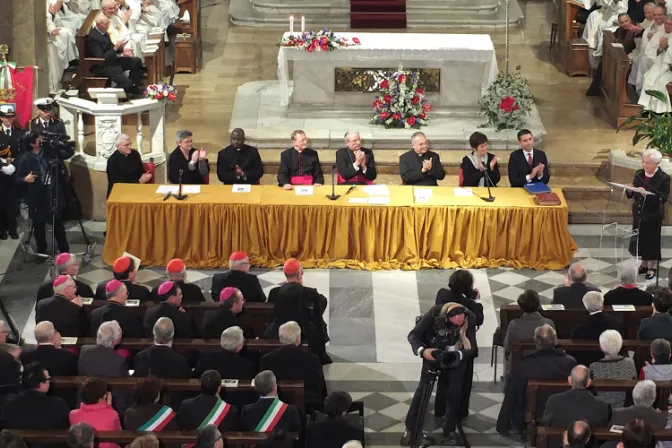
(613, 90)
(572, 50)
(183, 345)
(544, 433)
(189, 51)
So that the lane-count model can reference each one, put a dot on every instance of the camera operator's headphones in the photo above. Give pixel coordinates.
(452, 309)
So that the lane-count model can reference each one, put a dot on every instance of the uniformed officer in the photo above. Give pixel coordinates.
(9, 201)
(45, 121)
(11, 131)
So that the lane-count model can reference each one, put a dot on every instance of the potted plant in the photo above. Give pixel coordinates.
(657, 128)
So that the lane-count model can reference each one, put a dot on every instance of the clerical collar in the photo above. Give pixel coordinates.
(654, 173)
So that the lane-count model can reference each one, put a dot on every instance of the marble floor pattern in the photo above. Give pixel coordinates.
(369, 315)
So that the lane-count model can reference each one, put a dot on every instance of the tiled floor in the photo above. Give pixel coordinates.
(369, 315)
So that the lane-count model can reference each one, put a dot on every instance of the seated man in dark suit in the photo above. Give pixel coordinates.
(660, 324)
(238, 276)
(643, 397)
(269, 413)
(58, 361)
(206, 437)
(627, 292)
(208, 407)
(160, 359)
(64, 309)
(336, 429)
(217, 320)
(578, 435)
(115, 309)
(10, 371)
(176, 271)
(228, 361)
(637, 434)
(420, 166)
(125, 270)
(65, 264)
(576, 404)
(292, 363)
(597, 322)
(170, 295)
(571, 294)
(117, 60)
(527, 164)
(547, 363)
(101, 360)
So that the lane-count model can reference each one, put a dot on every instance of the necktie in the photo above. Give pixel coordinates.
(529, 158)
(8, 132)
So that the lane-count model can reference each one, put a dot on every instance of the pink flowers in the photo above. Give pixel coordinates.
(356, 41)
(401, 79)
(426, 107)
(420, 91)
(415, 99)
(321, 40)
(384, 115)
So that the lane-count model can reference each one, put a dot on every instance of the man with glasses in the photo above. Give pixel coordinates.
(209, 437)
(64, 309)
(238, 276)
(170, 295)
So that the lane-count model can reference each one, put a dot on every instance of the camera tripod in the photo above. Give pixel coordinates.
(421, 439)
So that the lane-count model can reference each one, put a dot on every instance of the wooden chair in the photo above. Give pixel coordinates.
(188, 51)
(573, 50)
(85, 79)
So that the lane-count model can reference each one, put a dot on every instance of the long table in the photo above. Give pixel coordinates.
(441, 230)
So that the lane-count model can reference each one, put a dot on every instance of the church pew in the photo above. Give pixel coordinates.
(291, 389)
(572, 50)
(615, 69)
(181, 345)
(545, 433)
(566, 320)
(189, 50)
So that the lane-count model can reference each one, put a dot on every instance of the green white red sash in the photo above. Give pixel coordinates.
(159, 420)
(217, 414)
(273, 415)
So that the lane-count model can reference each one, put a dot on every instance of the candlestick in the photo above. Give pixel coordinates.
(303, 24)
(291, 24)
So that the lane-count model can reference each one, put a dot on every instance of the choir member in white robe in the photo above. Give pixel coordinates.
(118, 30)
(169, 10)
(640, 27)
(605, 18)
(643, 61)
(64, 16)
(659, 75)
(61, 50)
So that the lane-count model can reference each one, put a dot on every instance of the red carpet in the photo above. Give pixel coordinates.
(378, 13)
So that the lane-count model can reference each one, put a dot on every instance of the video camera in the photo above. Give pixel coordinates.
(55, 145)
(446, 335)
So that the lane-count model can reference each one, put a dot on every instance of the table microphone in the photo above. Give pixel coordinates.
(179, 196)
(333, 196)
(488, 181)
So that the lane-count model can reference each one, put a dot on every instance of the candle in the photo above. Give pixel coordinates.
(303, 24)
(291, 24)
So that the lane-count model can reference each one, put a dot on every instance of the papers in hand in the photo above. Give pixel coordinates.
(358, 200)
(379, 200)
(241, 188)
(163, 189)
(629, 188)
(623, 307)
(136, 260)
(552, 307)
(376, 190)
(304, 190)
(68, 341)
(87, 300)
(463, 191)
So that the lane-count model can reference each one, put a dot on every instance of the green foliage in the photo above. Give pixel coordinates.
(657, 128)
(507, 86)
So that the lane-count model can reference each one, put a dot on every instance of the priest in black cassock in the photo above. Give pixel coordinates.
(125, 165)
(191, 162)
(239, 163)
(420, 166)
(299, 165)
(355, 164)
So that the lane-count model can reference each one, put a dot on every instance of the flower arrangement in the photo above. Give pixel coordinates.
(400, 103)
(322, 40)
(161, 91)
(507, 101)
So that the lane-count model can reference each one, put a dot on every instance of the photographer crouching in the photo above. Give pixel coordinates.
(445, 337)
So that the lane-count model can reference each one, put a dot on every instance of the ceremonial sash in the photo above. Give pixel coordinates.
(216, 415)
(159, 420)
(358, 178)
(302, 180)
(273, 415)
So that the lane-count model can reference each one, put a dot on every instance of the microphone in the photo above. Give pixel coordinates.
(179, 196)
(488, 181)
(333, 196)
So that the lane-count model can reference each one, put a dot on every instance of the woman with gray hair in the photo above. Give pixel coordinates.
(186, 163)
(648, 211)
(626, 292)
(612, 367)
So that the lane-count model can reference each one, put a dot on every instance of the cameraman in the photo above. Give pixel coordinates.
(445, 337)
(34, 174)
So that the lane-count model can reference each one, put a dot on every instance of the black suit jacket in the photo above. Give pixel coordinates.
(332, 432)
(292, 363)
(410, 168)
(247, 283)
(135, 292)
(247, 158)
(58, 361)
(344, 164)
(650, 208)
(594, 325)
(99, 45)
(96, 360)
(572, 296)
(230, 365)
(34, 410)
(137, 416)
(654, 327)
(13, 140)
(566, 407)
(472, 175)
(194, 410)
(55, 125)
(47, 290)
(519, 167)
(445, 295)
(216, 321)
(290, 166)
(10, 375)
(185, 327)
(129, 321)
(252, 414)
(655, 418)
(190, 293)
(161, 361)
(69, 319)
(627, 296)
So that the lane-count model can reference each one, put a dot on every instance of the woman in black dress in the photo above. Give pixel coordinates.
(648, 211)
(191, 161)
(475, 164)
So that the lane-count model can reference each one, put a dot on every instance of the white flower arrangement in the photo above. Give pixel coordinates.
(507, 101)
(161, 91)
(400, 103)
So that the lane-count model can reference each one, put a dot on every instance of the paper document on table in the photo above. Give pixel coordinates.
(376, 190)
(87, 300)
(623, 307)
(358, 200)
(68, 340)
(304, 190)
(379, 200)
(191, 189)
(462, 191)
(163, 189)
(551, 307)
(424, 192)
(241, 188)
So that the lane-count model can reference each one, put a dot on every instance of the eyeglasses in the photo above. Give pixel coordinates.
(47, 379)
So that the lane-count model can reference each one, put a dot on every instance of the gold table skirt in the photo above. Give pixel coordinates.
(439, 230)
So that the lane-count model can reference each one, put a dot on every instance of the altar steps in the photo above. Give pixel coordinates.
(377, 14)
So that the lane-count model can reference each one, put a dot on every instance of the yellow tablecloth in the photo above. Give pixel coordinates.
(272, 224)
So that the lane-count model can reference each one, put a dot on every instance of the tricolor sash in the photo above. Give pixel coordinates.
(306, 179)
(273, 415)
(216, 415)
(159, 420)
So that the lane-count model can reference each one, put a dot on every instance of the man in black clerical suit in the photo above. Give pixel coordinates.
(124, 270)
(176, 271)
(116, 309)
(59, 361)
(238, 276)
(338, 427)
(239, 163)
(228, 361)
(170, 295)
(420, 166)
(269, 413)
(299, 165)
(355, 164)
(125, 165)
(64, 309)
(11, 132)
(117, 60)
(45, 120)
(527, 164)
(161, 360)
(208, 407)
(65, 264)
(217, 320)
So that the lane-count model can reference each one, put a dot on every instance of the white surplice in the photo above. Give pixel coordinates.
(605, 18)
(61, 50)
(119, 31)
(66, 17)
(657, 78)
(645, 57)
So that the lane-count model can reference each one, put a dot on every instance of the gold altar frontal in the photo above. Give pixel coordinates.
(439, 230)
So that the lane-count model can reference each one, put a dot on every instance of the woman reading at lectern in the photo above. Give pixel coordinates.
(478, 163)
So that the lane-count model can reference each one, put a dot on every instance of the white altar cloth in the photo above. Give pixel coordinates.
(395, 48)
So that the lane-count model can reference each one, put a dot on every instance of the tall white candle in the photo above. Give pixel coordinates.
(303, 24)
(291, 24)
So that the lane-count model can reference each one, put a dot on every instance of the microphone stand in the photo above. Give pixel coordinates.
(488, 181)
(333, 196)
(179, 196)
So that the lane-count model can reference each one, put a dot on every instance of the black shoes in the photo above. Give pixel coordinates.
(406, 438)
(650, 274)
(452, 438)
(14, 235)
(3, 236)
(642, 270)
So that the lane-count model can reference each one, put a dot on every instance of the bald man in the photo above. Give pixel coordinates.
(66, 264)
(58, 361)
(576, 286)
(64, 309)
(239, 163)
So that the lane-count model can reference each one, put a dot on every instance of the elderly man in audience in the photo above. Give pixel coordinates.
(355, 163)
(228, 361)
(239, 163)
(238, 276)
(160, 359)
(547, 363)
(170, 295)
(81, 435)
(115, 309)
(124, 270)
(125, 165)
(145, 441)
(65, 264)
(269, 413)
(597, 322)
(659, 75)
(176, 271)
(208, 406)
(660, 367)
(62, 51)
(606, 18)
(101, 359)
(627, 293)
(209, 437)
(292, 363)
(637, 434)
(571, 294)
(420, 166)
(612, 367)
(578, 435)
(148, 413)
(57, 360)
(215, 321)
(119, 31)
(64, 309)
(336, 429)
(96, 408)
(10, 371)
(648, 49)
(659, 325)
(643, 397)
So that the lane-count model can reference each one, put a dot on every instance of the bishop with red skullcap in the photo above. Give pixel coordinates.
(125, 270)
(238, 276)
(66, 264)
(170, 295)
(64, 309)
(117, 295)
(176, 271)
